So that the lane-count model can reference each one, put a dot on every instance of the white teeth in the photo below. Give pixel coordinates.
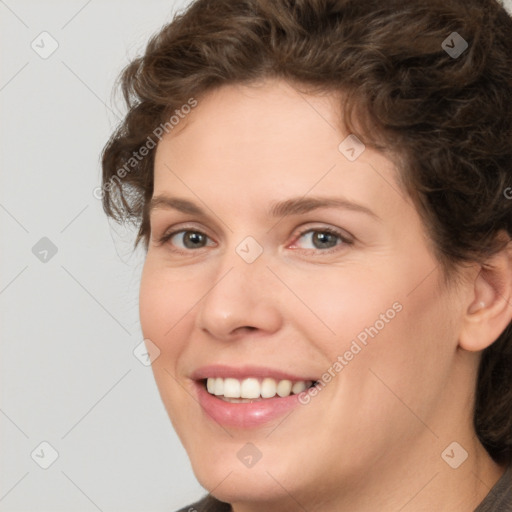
(219, 386)
(284, 388)
(254, 388)
(232, 388)
(250, 388)
(298, 387)
(268, 388)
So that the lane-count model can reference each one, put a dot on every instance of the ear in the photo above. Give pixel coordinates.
(490, 306)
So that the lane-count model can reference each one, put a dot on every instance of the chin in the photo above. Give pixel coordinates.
(240, 485)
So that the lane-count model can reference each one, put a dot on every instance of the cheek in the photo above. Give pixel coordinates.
(166, 307)
(165, 299)
(339, 305)
(164, 302)
(155, 317)
(382, 324)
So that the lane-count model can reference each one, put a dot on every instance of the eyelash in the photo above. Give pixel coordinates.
(331, 231)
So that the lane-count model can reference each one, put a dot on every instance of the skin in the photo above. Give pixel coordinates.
(373, 437)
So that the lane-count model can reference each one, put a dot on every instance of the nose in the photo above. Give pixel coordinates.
(242, 298)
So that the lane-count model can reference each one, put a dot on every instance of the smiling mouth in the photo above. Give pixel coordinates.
(254, 389)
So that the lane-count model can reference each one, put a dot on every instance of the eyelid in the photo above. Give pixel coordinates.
(345, 238)
(174, 230)
(341, 233)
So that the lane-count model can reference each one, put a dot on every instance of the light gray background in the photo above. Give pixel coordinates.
(69, 325)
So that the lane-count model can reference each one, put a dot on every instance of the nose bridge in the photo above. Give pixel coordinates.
(240, 294)
(241, 267)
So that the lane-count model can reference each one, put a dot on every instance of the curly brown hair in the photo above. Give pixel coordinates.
(445, 117)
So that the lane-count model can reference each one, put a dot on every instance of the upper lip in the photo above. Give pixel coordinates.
(243, 372)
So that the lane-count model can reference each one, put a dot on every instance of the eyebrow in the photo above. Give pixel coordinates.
(293, 206)
(300, 205)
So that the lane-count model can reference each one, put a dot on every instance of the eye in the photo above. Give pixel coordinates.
(186, 239)
(321, 239)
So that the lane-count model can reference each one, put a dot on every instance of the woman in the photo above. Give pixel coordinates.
(323, 191)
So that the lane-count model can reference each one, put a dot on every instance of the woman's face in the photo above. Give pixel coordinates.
(293, 259)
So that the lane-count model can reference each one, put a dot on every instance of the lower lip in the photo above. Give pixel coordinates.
(244, 415)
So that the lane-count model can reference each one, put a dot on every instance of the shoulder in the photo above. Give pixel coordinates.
(499, 498)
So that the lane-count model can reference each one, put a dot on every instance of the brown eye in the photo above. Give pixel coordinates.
(186, 239)
(193, 239)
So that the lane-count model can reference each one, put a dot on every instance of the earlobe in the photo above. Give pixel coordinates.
(490, 309)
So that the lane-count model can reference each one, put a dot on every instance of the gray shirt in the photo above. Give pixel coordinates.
(499, 498)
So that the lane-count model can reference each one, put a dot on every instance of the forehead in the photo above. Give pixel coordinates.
(268, 141)
(268, 120)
